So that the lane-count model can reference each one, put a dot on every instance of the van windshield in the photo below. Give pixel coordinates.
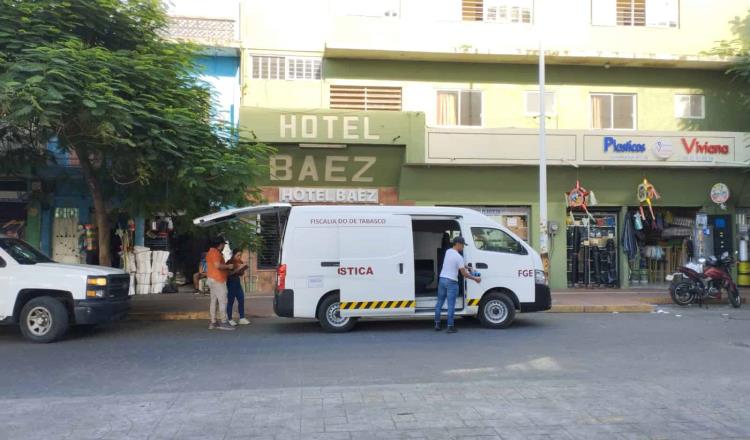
(23, 252)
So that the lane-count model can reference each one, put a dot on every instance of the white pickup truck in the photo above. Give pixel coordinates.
(45, 297)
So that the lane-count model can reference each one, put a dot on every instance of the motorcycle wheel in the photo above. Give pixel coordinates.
(682, 293)
(734, 297)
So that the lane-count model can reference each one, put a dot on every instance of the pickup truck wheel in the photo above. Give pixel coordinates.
(329, 316)
(496, 310)
(44, 319)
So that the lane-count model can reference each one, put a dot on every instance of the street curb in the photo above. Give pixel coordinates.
(571, 308)
(616, 308)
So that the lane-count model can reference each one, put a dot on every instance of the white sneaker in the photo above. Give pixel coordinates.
(244, 321)
(232, 322)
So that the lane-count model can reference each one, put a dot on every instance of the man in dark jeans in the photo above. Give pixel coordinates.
(453, 263)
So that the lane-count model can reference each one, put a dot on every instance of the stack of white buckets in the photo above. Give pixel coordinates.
(148, 270)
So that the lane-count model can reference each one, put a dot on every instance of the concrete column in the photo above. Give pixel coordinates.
(140, 230)
(624, 268)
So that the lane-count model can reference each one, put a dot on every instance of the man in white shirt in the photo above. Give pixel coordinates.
(453, 263)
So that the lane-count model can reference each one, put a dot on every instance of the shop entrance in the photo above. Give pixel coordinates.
(592, 256)
(665, 241)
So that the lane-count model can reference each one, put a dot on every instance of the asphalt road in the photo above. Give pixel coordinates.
(676, 373)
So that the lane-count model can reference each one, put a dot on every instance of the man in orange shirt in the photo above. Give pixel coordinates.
(216, 272)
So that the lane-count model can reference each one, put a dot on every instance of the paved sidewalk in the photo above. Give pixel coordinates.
(491, 410)
(181, 306)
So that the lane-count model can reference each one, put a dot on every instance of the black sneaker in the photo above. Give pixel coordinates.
(437, 327)
(451, 329)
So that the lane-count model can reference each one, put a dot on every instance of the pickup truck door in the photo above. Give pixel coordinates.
(376, 268)
(7, 298)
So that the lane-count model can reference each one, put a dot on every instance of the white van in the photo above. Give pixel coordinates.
(340, 263)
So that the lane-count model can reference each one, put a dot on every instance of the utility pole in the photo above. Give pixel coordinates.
(543, 222)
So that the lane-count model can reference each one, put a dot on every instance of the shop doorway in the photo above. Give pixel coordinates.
(66, 235)
(592, 256)
(666, 240)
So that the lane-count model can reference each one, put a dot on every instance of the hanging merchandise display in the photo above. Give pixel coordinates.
(720, 195)
(580, 197)
(592, 249)
(658, 247)
(646, 193)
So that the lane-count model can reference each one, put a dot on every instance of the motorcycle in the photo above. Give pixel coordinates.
(707, 279)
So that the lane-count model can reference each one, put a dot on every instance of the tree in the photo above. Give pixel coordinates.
(100, 76)
(739, 48)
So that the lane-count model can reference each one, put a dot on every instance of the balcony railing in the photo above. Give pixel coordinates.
(202, 29)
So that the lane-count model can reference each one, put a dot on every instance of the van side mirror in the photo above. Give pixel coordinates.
(2, 263)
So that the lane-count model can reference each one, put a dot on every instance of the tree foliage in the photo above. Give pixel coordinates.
(100, 76)
(738, 47)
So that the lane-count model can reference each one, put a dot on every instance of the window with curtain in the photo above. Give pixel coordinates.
(613, 111)
(459, 107)
(690, 106)
(651, 13)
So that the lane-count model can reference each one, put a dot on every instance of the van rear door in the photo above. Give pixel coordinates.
(247, 213)
(376, 267)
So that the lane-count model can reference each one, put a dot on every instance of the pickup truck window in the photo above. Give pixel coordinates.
(22, 252)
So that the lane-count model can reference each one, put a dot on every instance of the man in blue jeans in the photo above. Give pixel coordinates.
(453, 263)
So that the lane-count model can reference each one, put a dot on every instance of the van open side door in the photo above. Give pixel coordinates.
(376, 268)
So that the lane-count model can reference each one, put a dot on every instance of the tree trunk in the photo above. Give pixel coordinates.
(100, 210)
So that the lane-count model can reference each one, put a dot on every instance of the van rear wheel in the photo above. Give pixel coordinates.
(329, 316)
(496, 310)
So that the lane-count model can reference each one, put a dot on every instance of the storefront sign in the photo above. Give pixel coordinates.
(611, 144)
(333, 126)
(352, 166)
(328, 195)
(334, 169)
(682, 150)
(695, 146)
(350, 127)
(13, 196)
(719, 193)
(663, 149)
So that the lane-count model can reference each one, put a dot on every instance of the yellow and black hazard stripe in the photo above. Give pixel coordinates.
(473, 302)
(372, 305)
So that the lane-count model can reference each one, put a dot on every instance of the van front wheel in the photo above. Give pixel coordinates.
(496, 310)
(329, 316)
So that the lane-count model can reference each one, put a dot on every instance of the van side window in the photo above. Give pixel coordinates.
(2, 262)
(495, 240)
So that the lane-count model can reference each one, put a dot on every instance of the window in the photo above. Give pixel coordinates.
(500, 11)
(303, 68)
(22, 252)
(532, 103)
(690, 106)
(277, 67)
(459, 107)
(495, 240)
(269, 251)
(652, 13)
(610, 110)
(365, 97)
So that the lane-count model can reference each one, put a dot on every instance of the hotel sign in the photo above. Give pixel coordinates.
(329, 195)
